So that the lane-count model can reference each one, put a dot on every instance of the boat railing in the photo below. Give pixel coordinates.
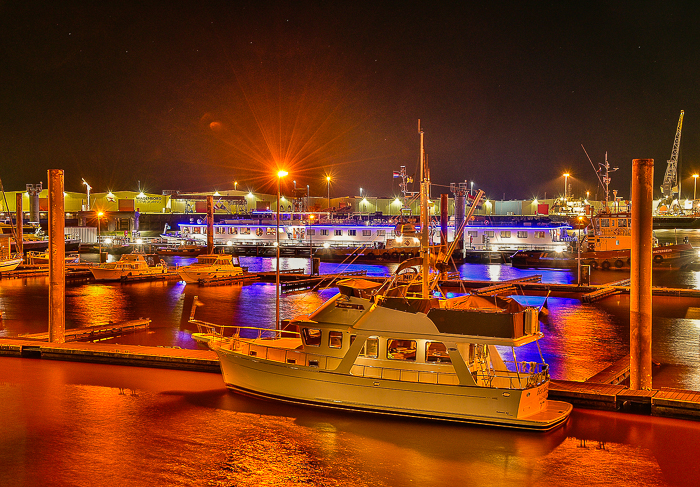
(523, 374)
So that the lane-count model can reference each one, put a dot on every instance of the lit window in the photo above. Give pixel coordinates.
(505, 233)
(366, 233)
(522, 234)
(311, 336)
(335, 339)
(436, 352)
(401, 349)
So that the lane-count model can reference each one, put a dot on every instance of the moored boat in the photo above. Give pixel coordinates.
(130, 265)
(211, 266)
(42, 258)
(183, 250)
(400, 348)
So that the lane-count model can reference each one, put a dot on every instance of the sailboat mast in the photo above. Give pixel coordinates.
(424, 222)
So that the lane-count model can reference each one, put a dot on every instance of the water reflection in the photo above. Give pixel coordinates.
(86, 424)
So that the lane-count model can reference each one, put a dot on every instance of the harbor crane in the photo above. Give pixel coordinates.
(670, 184)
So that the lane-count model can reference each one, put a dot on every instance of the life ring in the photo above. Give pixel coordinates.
(658, 259)
(605, 265)
(593, 264)
(407, 243)
(619, 263)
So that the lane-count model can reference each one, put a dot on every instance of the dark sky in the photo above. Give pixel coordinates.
(194, 95)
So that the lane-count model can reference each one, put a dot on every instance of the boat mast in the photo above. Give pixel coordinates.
(424, 222)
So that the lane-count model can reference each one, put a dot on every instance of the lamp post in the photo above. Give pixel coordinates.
(471, 188)
(280, 175)
(695, 187)
(578, 248)
(235, 185)
(99, 241)
(88, 194)
(566, 184)
(328, 185)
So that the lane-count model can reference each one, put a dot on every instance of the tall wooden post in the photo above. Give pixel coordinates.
(57, 261)
(210, 224)
(640, 275)
(20, 224)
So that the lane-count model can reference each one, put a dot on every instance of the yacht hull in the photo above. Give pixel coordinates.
(514, 408)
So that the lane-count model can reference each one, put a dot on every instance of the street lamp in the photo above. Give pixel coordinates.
(695, 187)
(328, 184)
(235, 185)
(88, 193)
(471, 188)
(578, 248)
(99, 242)
(280, 175)
(566, 181)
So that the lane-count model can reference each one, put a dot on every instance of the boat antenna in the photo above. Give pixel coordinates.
(593, 166)
(424, 219)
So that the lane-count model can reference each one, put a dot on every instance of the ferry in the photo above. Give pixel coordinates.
(378, 239)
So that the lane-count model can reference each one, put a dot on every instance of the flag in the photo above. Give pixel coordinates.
(397, 174)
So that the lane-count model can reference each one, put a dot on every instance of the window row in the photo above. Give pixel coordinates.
(396, 349)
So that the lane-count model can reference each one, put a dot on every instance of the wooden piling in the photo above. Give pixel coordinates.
(20, 224)
(640, 274)
(210, 224)
(57, 262)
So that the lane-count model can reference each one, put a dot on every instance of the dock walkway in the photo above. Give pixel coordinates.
(89, 333)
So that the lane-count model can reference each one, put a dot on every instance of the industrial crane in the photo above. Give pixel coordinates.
(670, 185)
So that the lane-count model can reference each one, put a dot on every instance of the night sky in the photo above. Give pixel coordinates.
(194, 95)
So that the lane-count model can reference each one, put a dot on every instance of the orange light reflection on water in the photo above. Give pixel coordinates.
(96, 304)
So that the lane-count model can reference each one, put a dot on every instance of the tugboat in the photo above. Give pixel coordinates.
(400, 348)
(609, 243)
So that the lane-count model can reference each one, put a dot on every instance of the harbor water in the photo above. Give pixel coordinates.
(88, 424)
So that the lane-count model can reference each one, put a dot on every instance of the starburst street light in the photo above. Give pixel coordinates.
(328, 185)
(566, 181)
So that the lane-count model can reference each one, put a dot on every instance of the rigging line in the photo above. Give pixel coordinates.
(594, 169)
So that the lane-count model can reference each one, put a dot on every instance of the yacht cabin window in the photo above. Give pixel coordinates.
(352, 233)
(605, 222)
(311, 232)
(522, 234)
(366, 233)
(381, 233)
(338, 233)
(311, 336)
(436, 352)
(489, 233)
(401, 349)
(539, 234)
(335, 339)
(505, 233)
(622, 222)
(473, 233)
(324, 232)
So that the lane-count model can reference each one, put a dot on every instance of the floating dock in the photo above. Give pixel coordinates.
(96, 332)
(114, 354)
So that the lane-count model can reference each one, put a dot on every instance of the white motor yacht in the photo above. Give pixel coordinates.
(211, 266)
(129, 265)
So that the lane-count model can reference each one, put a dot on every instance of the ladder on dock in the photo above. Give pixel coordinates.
(311, 282)
(605, 291)
(505, 288)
